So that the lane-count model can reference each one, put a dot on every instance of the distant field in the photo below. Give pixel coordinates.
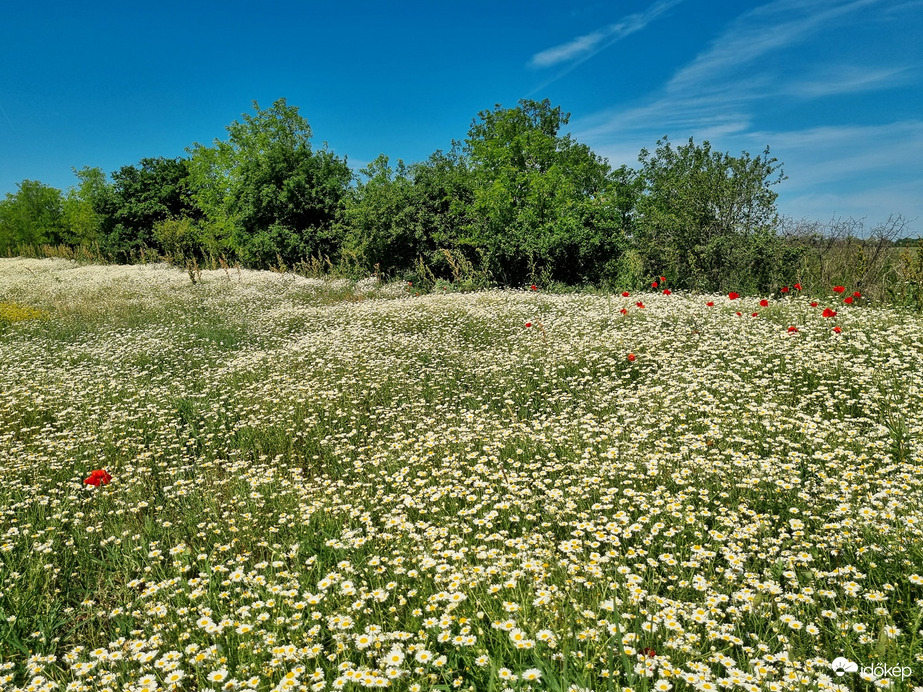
(321, 485)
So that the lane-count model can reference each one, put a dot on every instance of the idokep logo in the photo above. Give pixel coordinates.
(841, 666)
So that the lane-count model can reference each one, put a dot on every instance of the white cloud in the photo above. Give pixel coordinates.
(584, 47)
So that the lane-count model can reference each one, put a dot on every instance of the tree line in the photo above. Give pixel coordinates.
(515, 202)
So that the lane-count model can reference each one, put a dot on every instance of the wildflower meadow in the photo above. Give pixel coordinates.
(260, 481)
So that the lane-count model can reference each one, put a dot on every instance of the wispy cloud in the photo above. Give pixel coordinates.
(584, 47)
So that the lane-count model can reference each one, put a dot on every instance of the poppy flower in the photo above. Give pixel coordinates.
(647, 651)
(410, 283)
(534, 287)
(814, 304)
(857, 294)
(797, 287)
(624, 311)
(792, 330)
(848, 300)
(667, 291)
(625, 294)
(740, 314)
(653, 284)
(631, 357)
(755, 314)
(662, 279)
(710, 303)
(829, 313)
(764, 303)
(97, 477)
(784, 289)
(733, 296)
(640, 304)
(838, 289)
(528, 324)
(837, 330)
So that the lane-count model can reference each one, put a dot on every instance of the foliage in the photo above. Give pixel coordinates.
(33, 215)
(139, 198)
(700, 212)
(544, 206)
(265, 189)
(396, 216)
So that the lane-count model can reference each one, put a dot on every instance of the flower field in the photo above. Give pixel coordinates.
(266, 482)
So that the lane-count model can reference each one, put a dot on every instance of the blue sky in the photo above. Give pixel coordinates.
(833, 87)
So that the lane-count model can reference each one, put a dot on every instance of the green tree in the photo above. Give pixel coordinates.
(82, 220)
(266, 190)
(33, 215)
(397, 216)
(141, 197)
(543, 204)
(707, 219)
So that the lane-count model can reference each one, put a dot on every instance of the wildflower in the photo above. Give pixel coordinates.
(647, 651)
(710, 303)
(813, 303)
(532, 674)
(640, 304)
(784, 289)
(631, 357)
(624, 311)
(797, 287)
(856, 294)
(755, 314)
(662, 279)
(848, 300)
(625, 294)
(653, 284)
(667, 291)
(764, 303)
(98, 476)
(791, 330)
(838, 289)
(528, 324)
(733, 295)
(829, 313)
(740, 314)
(533, 287)
(837, 330)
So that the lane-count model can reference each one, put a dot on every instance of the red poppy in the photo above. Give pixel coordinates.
(838, 289)
(410, 283)
(764, 303)
(528, 324)
(653, 284)
(624, 311)
(667, 291)
(710, 303)
(662, 279)
(784, 289)
(797, 287)
(829, 313)
(814, 304)
(98, 476)
(857, 294)
(837, 330)
(534, 287)
(647, 651)
(740, 314)
(625, 294)
(792, 330)
(848, 300)
(755, 314)
(631, 357)
(640, 304)
(733, 296)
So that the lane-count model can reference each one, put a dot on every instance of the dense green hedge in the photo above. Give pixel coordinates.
(517, 202)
